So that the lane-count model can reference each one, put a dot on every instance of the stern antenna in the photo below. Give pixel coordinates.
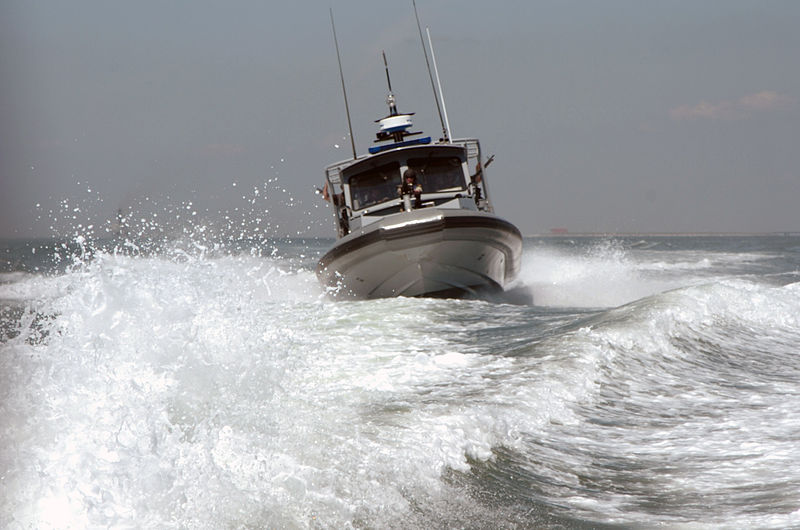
(430, 75)
(344, 90)
(438, 82)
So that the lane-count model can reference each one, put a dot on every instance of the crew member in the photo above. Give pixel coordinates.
(476, 179)
(341, 209)
(412, 187)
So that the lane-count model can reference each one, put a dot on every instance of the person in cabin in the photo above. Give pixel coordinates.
(412, 187)
(477, 177)
(338, 202)
(338, 198)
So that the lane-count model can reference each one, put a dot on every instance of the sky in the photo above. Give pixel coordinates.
(604, 116)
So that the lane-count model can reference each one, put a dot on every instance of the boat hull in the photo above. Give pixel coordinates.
(426, 252)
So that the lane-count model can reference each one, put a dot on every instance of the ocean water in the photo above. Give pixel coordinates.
(620, 383)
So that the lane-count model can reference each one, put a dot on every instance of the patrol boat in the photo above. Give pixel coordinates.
(412, 219)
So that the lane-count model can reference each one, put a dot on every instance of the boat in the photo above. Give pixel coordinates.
(414, 219)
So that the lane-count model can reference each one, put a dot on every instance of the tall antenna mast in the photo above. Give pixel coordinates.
(344, 90)
(430, 75)
(438, 82)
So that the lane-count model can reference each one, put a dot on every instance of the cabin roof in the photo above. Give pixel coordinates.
(396, 152)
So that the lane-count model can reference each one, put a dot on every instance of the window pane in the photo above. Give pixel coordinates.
(375, 185)
(438, 174)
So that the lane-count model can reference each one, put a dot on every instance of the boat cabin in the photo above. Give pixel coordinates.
(369, 188)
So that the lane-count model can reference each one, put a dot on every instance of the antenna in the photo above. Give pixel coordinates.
(438, 82)
(390, 99)
(344, 90)
(430, 75)
(386, 65)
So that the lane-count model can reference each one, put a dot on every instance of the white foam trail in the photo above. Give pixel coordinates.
(602, 276)
(609, 274)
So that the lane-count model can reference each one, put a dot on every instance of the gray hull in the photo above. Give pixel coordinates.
(426, 252)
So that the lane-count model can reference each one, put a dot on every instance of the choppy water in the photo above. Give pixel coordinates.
(651, 381)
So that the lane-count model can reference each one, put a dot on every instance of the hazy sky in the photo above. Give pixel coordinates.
(604, 115)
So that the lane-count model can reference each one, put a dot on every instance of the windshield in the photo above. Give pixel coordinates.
(375, 185)
(439, 174)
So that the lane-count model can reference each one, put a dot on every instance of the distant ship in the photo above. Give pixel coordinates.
(412, 219)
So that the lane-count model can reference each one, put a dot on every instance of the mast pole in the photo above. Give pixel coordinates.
(438, 82)
(344, 90)
(430, 75)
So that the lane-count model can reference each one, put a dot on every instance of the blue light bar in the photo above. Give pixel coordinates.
(416, 141)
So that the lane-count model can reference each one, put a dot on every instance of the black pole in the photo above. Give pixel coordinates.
(386, 66)
(344, 90)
